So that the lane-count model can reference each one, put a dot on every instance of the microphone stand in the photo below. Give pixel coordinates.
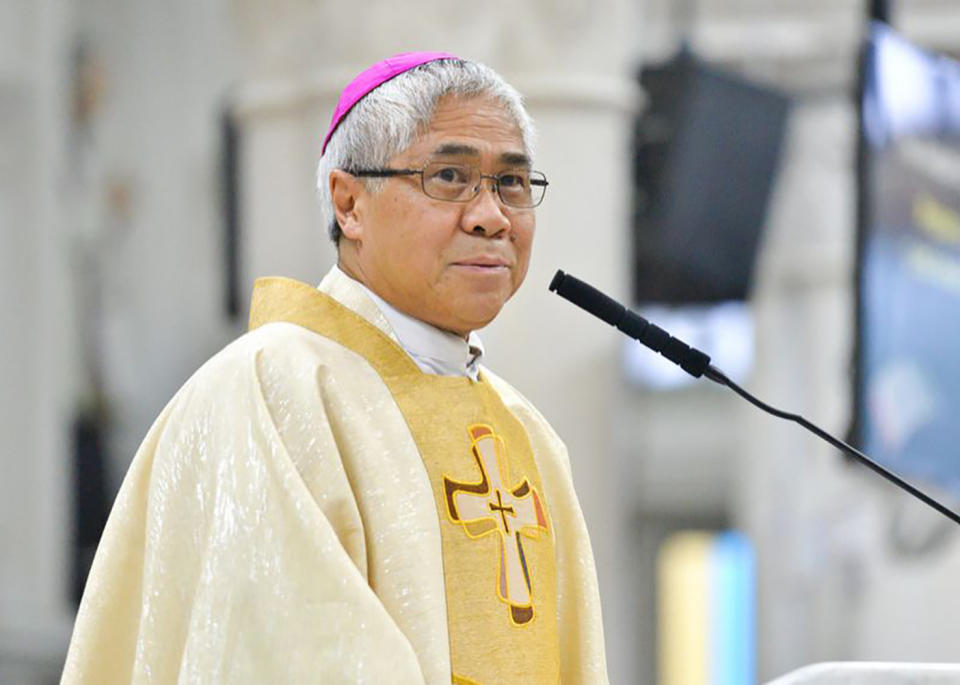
(697, 364)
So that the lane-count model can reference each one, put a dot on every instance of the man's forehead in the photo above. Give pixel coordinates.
(473, 128)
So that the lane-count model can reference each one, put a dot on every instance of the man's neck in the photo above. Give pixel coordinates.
(434, 349)
(357, 275)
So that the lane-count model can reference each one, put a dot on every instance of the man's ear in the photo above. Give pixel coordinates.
(345, 192)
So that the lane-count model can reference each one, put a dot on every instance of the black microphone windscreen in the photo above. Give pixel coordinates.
(587, 297)
(634, 325)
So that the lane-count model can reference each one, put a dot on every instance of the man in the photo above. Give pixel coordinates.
(344, 494)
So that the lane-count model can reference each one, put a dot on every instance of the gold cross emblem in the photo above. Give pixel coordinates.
(490, 506)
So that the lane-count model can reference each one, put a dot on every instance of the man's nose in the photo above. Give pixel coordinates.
(485, 214)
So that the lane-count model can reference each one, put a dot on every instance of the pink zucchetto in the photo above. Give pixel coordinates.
(374, 76)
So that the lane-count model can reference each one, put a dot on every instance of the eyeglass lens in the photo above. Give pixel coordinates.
(460, 183)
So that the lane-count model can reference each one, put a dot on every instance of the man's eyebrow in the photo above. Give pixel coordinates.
(463, 150)
(515, 159)
(458, 149)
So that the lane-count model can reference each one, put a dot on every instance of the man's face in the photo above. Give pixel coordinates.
(451, 264)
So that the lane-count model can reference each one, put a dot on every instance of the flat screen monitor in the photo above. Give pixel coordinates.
(908, 381)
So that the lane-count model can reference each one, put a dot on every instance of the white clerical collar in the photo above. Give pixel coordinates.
(434, 350)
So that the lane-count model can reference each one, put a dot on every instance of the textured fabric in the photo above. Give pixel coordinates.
(278, 525)
(498, 548)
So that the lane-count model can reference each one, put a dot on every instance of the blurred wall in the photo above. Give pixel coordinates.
(110, 247)
(34, 364)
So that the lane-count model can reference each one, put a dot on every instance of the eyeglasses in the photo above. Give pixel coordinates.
(518, 188)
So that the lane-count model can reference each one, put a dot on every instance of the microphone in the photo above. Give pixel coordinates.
(585, 296)
(697, 364)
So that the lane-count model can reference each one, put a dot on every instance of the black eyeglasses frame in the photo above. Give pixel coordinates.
(540, 181)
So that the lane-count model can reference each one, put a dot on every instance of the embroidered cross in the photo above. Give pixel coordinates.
(503, 510)
(490, 506)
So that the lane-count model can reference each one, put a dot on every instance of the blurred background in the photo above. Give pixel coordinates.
(776, 181)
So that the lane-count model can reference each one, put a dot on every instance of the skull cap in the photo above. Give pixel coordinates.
(374, 76)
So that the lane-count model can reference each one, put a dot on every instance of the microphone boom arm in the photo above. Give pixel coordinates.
(697, 364)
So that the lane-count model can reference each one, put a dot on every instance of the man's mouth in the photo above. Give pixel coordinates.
(484, 263)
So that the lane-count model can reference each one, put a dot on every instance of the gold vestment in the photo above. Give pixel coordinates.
(282, 522)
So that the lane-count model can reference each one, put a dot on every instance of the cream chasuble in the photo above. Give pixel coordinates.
(310, 507)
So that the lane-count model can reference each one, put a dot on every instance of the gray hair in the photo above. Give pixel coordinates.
(391, 117)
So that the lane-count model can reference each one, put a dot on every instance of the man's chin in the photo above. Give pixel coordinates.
(477, 320)
(463, 321)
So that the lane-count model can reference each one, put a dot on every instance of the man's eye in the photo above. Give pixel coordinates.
(449, 174)
(511, 181)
